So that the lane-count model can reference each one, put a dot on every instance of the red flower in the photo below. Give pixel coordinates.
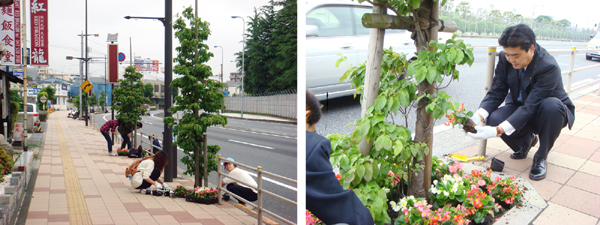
(339, 177)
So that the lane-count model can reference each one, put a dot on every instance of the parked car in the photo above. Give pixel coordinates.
(32, 110)
(145, 106)
(334, 28)
(594, 44)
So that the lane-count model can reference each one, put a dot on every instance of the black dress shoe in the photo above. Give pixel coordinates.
(538, 169)
(522, 153)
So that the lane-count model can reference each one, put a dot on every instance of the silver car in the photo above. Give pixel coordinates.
(334, 28)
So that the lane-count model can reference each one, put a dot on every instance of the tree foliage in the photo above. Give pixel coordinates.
(102, 99)
(270, 52)
(129, 97)
(47, 91)
(93, 98)
(148, 90)
(198, 92)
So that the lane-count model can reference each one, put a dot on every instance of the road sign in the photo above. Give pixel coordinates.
(43, 99)
(121, 57)
(86, 86)
(18, 73)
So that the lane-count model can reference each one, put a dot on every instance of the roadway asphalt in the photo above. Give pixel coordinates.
(469, 89)
(253, 143)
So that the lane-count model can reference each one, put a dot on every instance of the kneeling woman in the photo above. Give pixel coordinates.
(149, 170)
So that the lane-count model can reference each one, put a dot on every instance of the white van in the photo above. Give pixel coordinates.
(594, 44)
(334, 27)
(32, 110)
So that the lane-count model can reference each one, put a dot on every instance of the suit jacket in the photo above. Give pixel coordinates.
(542, 80)
(325, 197)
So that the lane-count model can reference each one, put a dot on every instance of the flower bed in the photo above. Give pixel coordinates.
(122, 152)
(458, 198)
(203, 195)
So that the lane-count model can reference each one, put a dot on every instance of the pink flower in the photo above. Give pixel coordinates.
(481, 183)
(310, 220)
(391, 174)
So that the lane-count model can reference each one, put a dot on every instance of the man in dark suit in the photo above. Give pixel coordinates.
(325, 197)
(537, 103)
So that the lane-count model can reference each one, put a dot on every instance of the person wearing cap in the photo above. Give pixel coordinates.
(239, 189)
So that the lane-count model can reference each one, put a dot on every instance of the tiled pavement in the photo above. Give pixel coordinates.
(79, 183)
(572, 185)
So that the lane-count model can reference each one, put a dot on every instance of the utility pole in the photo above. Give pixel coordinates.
(24, 66)
(167, 134)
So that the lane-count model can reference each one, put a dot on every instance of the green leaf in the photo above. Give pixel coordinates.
(421, 73)
(340, 60)
(404, 98)
(368, 172)
(459, 56)
(387, 142)
(345, 163)
(380, 102)
(451, 55)
(357, 135)
(398, 147)
(360, 171)
(380, 142)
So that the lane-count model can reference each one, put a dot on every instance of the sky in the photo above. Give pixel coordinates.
(67, 20)
(581, 12)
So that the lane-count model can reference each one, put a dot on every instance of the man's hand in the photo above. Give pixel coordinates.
(158, 185)
(484, 132)
(222, 183)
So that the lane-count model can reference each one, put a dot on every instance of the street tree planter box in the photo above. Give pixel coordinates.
(207, 201)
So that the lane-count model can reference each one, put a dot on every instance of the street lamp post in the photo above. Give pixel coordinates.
(81, 69)
(243, 56)
(221, 62)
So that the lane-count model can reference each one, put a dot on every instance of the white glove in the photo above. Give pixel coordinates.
(484, 132)
(158, 185)
(166, 186)
(476, 118)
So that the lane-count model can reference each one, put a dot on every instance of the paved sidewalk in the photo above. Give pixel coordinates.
(79, 183)
(572, 185)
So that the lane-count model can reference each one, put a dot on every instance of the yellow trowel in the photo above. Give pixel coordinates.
(464, 158)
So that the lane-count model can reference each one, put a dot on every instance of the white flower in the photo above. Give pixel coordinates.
(403, 203)
(387, 190)
(446, 177)
(446, 193)
(435, 182)
(395, 207)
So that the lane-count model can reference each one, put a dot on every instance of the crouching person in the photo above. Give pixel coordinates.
(149, 171)
(241, 190)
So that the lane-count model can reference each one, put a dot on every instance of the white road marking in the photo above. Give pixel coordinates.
(255, 145)
(275, 182)
(148, 122)
(274, 135)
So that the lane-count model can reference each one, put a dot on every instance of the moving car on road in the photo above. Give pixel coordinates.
(594, 44)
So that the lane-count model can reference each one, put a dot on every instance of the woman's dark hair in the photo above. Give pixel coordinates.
(312, 105)
(519, 35)
(161, 159)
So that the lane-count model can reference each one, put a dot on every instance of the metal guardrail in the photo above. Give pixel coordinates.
(259, 189)
(491, 63)
(151, 142)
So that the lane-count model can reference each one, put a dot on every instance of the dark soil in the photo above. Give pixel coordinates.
(470, 126)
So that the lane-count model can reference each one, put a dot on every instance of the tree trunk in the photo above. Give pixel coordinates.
(421, 182)
(371, 86)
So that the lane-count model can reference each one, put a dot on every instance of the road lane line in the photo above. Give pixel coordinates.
(273, 135)
(275, 182)
(255, 145)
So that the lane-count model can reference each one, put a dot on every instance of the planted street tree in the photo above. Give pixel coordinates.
(148, 90)
(199, 94)
(47, 91)
(380, 147)
(102, 100)
(93, 99)
(128, 99)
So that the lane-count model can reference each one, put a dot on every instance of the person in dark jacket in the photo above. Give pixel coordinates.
(537, 103)
(325, 197)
